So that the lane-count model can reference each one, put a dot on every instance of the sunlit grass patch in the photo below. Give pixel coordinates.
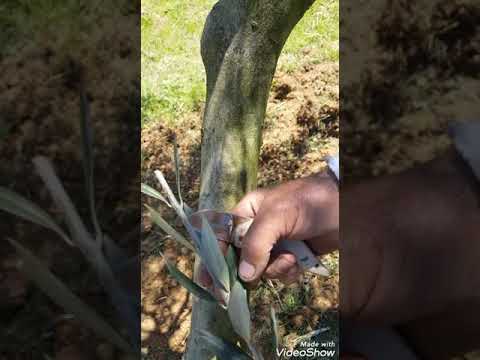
(173, 76)
(317, 34)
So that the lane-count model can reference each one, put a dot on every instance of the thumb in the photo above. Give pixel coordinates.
(256, 247)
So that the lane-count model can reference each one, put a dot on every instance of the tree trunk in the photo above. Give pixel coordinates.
(241, 43)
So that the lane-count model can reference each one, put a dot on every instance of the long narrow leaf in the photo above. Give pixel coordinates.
(191, 231)
(114, 254)
(188, 210)
(17, 205)
(149, 191)
(88, 160)
(62, 296)
(78, 231)
(158, 220)
(223, 349)
(213, 258)
(180, 210)
(91, 250)
(176, 160)
(125, 303)
(188, 284)
(231, 259)
(166, 188)
(276, 336)
(239, 313)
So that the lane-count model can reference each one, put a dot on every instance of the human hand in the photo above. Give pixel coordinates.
(303, 209)
(406, 238)
(409, 256)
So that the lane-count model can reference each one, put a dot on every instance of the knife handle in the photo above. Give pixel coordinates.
(306, 259)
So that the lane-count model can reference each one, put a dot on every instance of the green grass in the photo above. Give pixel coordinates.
(292, 300)
(173, 77)
(172, 72)
(317, 32)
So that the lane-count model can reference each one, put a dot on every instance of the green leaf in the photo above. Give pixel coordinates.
(276, 336)
(223, 349)
(166, 188)
(231, 259)
(187, 209)
(239, 313)
(213, 258)
(88, 160)
(179, 209)
(17, 205)
(114, 254)
(188, 283)
(176, 160)
(158, 220)
(56, 290)
(91, 250)
(149, 191)
(78, 231)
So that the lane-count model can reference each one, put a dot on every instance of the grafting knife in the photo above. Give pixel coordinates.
(232, 228)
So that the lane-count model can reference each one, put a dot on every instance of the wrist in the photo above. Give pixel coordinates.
(332, 171)
(316, 200)
(452, 191)
(453, 165)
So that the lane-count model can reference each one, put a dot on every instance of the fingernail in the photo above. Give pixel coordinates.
(246, 270)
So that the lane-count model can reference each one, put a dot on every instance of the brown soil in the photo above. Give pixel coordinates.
(40, 116)
(404, 79)
(300, 129)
